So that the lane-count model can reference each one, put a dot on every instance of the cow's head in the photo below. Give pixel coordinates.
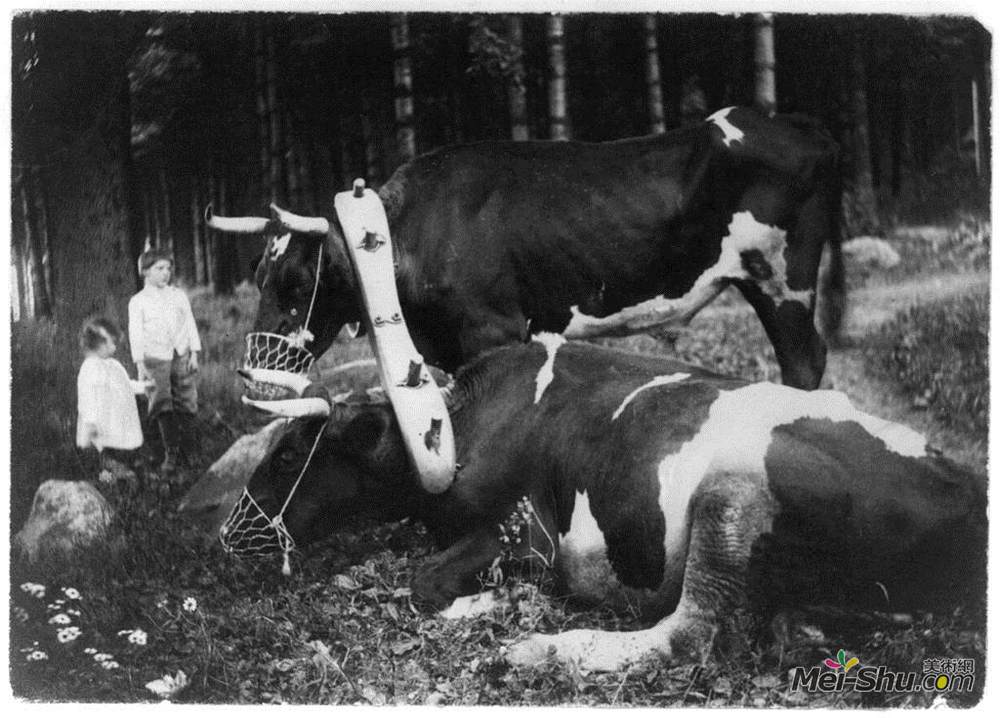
(304, 275)
(326, 470)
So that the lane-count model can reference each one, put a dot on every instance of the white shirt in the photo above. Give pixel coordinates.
(160, 323)
(106, 400)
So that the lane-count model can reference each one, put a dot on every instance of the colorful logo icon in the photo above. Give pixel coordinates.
(841, 662)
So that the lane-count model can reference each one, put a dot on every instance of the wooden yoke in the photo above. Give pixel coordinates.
(415, 398)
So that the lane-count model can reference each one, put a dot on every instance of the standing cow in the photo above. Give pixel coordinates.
(496, 241)
(650, 483)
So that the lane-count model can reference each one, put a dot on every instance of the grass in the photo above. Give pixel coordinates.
(344, 628)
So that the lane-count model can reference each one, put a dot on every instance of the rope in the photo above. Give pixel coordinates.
(312, 301)
(305, 466)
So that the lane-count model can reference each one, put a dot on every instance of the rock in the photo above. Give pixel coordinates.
(872, 252)
(66, 516)
(213, 496)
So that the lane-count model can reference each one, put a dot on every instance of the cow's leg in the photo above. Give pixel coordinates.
(528, 541)
(800, 350)
(455, 571)
(727, 514)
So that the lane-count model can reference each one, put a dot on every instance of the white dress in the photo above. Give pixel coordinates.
(106, 399)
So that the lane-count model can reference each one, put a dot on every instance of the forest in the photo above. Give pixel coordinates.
(128, 126)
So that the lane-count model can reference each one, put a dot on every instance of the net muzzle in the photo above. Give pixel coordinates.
(249, 531)
(273, 352)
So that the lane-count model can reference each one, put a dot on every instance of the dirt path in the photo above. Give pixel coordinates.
(847, 371)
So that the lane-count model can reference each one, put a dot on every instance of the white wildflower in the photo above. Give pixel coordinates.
(90, 651)
(168, 686)
(60, 619)
(71, 593)
(110, 665)
(37, 656)
(138, 637)
(102, 657)
(71, 633)
(190, 604)
(35, 589)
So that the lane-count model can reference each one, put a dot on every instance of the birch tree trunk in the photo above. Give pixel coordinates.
(406, 141)
(764, 93)
(654, 88)
(41, 208)
(36, 295)
(517, 96)
(558, 120)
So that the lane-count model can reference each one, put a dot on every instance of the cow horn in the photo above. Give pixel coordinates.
(292, 408)
(239, 225)
(298, 223)
(313, 405)
(284, 379)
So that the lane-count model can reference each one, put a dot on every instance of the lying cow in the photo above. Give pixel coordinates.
(650, 483)
(496, 241)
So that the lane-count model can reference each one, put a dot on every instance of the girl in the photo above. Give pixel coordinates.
(108, 418)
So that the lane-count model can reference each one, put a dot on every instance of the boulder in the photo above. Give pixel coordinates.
(210, 500)
(871, 252)
(66, 516)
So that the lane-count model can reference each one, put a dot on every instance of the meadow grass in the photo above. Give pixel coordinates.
(345, 628)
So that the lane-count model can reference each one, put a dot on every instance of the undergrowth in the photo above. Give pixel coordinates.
(939, 354)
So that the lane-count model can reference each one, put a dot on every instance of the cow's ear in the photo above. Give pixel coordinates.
(365, 431)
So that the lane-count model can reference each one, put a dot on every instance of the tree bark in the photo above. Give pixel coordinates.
(224, 249)
(92, 267)
(168, 226)
(764, 94)
(558, 119)
(78, 121)
(36, 296)
(368, 134)
(41, 208)
(406, 140)
(197, 233)
(861, 212)
(274, 122)
(654, 88)
(517, 94)
(263, 133)
(181, 228)
(19, 240)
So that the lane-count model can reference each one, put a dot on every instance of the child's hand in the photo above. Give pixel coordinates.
(142, 373)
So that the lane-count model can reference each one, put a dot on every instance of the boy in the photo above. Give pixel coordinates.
(165, 346)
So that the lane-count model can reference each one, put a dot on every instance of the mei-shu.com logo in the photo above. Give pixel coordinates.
(939, 675)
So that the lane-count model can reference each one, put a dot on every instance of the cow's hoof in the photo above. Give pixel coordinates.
(532, 651)
(590, 650)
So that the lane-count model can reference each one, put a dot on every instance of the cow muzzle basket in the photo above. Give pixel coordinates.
(249, 531)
